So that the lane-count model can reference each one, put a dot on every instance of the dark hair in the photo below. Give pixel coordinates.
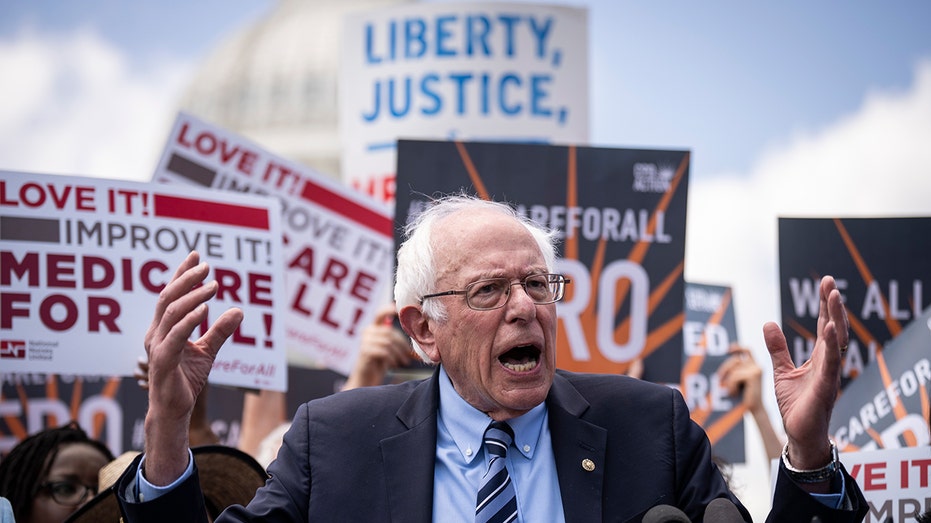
(28, 463)
(924, 518)
(726, 469)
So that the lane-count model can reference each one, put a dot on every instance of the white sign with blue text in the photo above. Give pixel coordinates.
(468, 71)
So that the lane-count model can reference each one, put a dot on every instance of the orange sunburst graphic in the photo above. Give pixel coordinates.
(860, 332)
(476, 180)
(716, 424)
(693, 365)
(656, 337)
(16, 427)
(899, 410)
(894, 326)
(662, 291)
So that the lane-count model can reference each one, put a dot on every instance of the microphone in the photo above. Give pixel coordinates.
(722, 510)
(665, 514)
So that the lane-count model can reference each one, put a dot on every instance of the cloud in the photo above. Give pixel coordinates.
(74, 104)
(873, 163)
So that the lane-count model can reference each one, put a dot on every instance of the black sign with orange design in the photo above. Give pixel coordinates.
(621, 213)
(887, 407)
(709, 332)
(35, 402)
(113, 409)
(881, 266)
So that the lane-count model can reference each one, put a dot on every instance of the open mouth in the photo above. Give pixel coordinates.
(521, 359)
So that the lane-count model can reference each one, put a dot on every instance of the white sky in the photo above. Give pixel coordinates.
(789, 109)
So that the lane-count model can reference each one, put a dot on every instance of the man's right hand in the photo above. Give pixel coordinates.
(178, 367)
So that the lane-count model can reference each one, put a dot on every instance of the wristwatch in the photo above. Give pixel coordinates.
(815, 475)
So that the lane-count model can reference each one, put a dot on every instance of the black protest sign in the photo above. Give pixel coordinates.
(621, 216)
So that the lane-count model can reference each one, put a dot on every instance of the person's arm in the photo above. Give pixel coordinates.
(178, 367)
(382, 347)
(199, 431)
(262, 413)
(635, 368)
(740, 375)
(806, 394)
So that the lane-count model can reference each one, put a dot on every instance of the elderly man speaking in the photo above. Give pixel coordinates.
(497, 433)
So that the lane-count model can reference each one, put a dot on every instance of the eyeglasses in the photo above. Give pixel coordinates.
(493, 293)
(68, 492)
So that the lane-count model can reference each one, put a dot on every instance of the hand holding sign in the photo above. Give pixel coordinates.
(178, 367)
(740, 375)
(806, 394)
(383, 347)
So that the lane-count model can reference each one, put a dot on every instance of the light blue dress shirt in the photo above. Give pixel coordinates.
(461, 461)
(141, 490)
(6, 511)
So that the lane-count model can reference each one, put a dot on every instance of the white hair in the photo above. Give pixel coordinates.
(416, 272)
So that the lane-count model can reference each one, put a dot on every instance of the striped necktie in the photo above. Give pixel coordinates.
(497, 500)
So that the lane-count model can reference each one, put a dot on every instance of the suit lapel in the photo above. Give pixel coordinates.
(409, 456)
(578, 445)
(579, 448)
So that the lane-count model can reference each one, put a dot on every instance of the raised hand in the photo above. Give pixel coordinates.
(178, 367)
(740, 374)
(806, 394)
(382, 347)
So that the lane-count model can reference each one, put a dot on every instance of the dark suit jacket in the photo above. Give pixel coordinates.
(368, 455)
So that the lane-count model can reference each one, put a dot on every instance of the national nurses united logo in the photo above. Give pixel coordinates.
(651, 177)
(13, 349)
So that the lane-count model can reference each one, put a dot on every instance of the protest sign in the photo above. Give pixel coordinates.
(477, 71)
(710, 328)
(113, 409)
(881, 269)
(895, 482)
(620, 214)
(82, 261)
(30, 403)
(887, 405)
(338, 251)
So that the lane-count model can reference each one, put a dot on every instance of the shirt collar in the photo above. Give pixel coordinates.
(466, 424)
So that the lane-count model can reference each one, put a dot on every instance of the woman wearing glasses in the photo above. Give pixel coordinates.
(52, 473)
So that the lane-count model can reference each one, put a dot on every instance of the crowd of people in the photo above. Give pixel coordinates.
(475, 293)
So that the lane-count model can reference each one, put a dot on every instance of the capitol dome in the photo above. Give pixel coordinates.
(276, 81)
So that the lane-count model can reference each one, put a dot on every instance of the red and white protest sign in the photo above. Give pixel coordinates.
(82, 261)
(338, 244)
(895, 482)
